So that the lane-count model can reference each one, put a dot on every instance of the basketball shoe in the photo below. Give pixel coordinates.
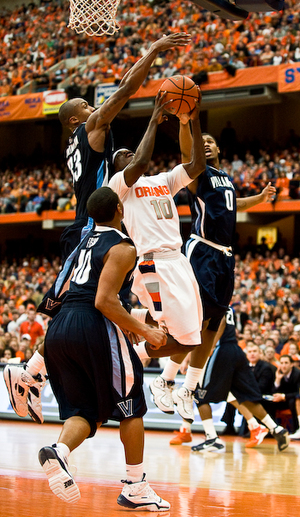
(281, 435)
(60, 479)
(181, 437)
(214, 444)
(24, 391)
(184, 400)
(140, 496)
(162, 394)
(256, 436)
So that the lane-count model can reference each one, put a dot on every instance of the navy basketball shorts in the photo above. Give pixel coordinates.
(227, 370)
(214, 272)
(93, 369)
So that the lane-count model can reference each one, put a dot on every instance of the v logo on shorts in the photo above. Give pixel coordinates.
(126, 407)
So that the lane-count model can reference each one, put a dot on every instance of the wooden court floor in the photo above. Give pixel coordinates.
(237, 482)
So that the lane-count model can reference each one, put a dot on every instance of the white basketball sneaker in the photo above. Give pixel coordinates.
(162, 394)
(184, 400)
(140, 496)
(24, 391)
(60, 479)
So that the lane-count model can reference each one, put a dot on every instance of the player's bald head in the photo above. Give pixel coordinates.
(67, 110)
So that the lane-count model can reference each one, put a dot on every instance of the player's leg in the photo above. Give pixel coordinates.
(136, 493)
(257, 431)
(212, 442)
(182, 315)
(54, 459)
(280, 434)
(246, 390)
(184, 396)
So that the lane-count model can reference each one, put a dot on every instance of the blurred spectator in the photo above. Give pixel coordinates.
(31, 327)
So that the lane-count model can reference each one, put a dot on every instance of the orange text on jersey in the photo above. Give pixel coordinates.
(162, 190)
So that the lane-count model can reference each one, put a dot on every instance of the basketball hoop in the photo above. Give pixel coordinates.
(94, 17)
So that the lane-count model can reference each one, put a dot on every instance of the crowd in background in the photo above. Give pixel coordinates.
(36, 37)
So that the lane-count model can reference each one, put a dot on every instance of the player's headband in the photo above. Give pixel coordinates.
(117, 152)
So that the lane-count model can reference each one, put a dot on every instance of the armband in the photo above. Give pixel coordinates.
(139, 314)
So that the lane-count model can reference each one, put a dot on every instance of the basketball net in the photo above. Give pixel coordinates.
(94, 17)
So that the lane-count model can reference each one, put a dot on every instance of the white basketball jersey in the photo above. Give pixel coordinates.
(150, 214)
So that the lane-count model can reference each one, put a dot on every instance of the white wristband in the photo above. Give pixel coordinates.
(139, 314)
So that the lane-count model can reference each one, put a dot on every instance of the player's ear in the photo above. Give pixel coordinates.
(73, 120)
(120, 209)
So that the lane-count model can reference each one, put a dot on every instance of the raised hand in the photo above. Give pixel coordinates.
(177, 39)
(268, 192)
(159, 108)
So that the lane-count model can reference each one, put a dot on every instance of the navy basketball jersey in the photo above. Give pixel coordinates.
(213, 208)
(229, 335)
(89, 263)
(89, 168)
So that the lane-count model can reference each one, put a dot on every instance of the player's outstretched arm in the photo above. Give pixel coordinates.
(266, 194)
(119, 260)
(197, 163)
(140, 162)
(133, 80)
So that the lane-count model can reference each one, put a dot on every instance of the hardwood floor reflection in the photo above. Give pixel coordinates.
(236, 482)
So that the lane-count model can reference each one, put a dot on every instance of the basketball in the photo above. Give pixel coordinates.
(183, 91)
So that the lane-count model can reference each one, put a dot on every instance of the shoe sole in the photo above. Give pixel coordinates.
(162, 408)
(209, 449)
(60, 481)
(151, 507)
(181, 413)
(8, 382)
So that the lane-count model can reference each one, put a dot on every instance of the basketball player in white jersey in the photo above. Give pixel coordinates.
(163, 278)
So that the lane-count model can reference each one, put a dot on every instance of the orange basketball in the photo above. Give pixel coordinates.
(183, 91)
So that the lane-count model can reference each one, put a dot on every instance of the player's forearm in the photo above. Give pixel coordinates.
(143, 155)
(243, 203)
(113, 310)
(185, 142)
(198, 159)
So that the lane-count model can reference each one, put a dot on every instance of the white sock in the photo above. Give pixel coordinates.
(186, 427)
(209, 429)
(269, 423)
(134, 473)
(252, 423)
(192, 378)
(141, 350)
(35, 363)
(64, 449)
(170, 370)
